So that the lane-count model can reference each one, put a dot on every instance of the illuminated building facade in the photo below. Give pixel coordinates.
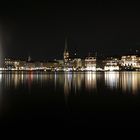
(111, 64)
(30, 65)
(11, 64)
(52, 65)
(130, 62)
(77, 64)
(66, 54)
(90, 64)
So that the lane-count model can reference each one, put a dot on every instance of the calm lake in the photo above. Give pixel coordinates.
(110, 99)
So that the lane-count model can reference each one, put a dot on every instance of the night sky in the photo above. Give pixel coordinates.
(39, 28)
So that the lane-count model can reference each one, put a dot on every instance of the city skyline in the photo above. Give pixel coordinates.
(76, 54)
(69, 64)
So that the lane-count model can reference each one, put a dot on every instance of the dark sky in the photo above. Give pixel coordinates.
(39, 28)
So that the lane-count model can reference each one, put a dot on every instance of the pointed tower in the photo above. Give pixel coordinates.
(29, 58)
(66, 53)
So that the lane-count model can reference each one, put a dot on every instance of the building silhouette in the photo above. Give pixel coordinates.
(66, 53)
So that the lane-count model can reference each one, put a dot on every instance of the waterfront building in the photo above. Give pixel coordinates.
(77, 64)
(90, 64)
(8, 63)
(12, 64)
(61, 62)
(30, 65)
(22, 64)
(52, 65)
(66, 54)
(111, 64)
(67, 65)
(130, 62)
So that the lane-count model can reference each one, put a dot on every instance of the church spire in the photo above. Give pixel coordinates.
(66, 45)
(29, 58)
(66, 53)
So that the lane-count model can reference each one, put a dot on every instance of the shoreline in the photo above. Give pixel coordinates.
(55, 72)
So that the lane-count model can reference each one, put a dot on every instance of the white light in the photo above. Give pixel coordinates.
(111, 68)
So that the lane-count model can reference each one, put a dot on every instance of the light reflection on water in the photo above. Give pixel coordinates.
(130, 82)
(90, 80)
(74, 82)
(112, 79)
(126, 81)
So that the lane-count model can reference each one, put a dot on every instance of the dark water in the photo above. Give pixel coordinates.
(110, 99)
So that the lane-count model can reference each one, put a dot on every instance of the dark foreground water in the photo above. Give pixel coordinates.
(67, 100)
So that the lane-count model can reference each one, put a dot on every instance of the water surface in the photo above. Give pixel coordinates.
(70, 99)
